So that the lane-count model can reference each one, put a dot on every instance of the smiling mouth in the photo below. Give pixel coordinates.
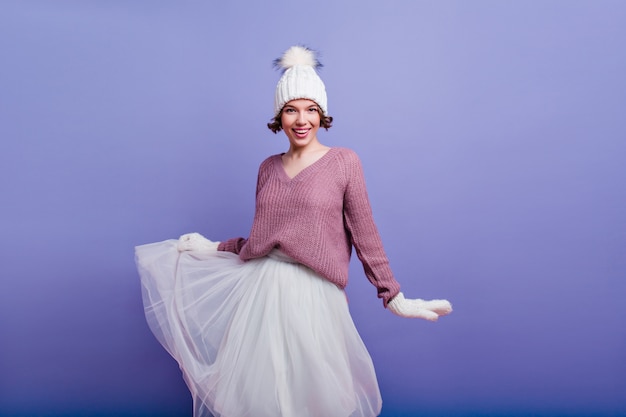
(301, 132)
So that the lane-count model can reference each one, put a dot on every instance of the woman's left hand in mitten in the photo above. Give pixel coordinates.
(418, 308)
(196, 242)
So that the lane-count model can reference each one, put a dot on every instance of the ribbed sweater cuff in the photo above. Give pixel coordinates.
(232, 245)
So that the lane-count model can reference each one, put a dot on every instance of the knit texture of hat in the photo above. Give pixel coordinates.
(299, 79)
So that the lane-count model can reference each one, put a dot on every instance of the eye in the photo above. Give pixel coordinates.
(289, 110)
(312, 109)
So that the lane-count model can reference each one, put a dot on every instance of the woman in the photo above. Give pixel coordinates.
(260, 326)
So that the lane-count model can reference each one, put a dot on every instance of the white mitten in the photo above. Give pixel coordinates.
(196, 242)
(418, 308)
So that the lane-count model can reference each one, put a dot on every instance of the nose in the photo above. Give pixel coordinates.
(300, 120)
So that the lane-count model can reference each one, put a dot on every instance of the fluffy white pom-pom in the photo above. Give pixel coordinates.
(297, 55)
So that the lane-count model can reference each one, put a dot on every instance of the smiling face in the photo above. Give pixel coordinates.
(300, 120)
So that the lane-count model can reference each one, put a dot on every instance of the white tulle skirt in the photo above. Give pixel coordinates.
(266, 337)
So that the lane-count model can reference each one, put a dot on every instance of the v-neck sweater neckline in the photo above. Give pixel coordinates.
(304, 172)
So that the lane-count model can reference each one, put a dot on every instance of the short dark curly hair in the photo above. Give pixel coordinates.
(276, 126)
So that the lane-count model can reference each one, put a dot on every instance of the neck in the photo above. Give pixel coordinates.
(298, 152)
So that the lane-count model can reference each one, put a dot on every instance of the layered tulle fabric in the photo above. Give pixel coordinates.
(267, 337)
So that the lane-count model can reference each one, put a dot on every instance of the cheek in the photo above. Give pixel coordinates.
(285, 120)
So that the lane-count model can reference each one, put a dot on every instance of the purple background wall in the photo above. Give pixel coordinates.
(493, 138)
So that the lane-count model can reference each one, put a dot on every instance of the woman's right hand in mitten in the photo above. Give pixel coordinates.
(418, 308)
(197, 243)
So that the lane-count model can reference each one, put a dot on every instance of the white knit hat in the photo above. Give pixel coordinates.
(299, 79)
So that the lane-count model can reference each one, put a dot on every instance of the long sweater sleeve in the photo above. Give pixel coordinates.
(363, 233)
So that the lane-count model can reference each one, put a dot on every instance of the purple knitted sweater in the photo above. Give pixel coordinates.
(315, 218)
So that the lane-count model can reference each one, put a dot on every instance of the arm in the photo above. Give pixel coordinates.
(366, 240)
(363, 232)
(198, 243)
